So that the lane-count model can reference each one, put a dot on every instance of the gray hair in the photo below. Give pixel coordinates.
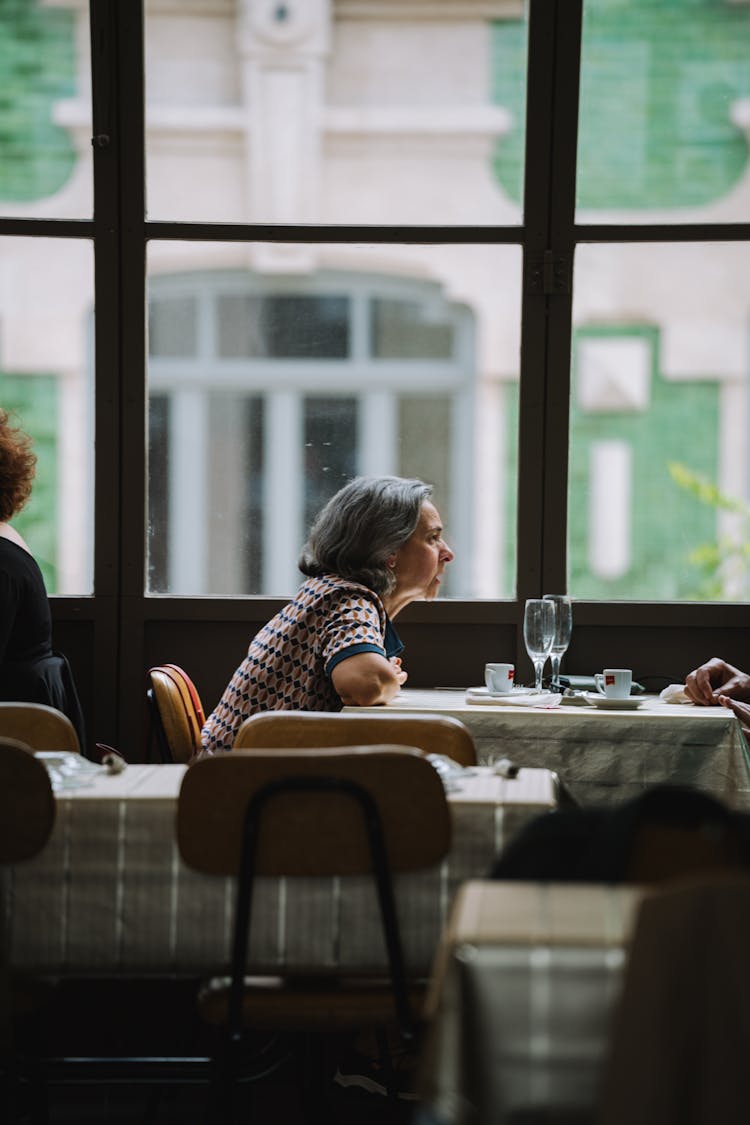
(365, 522)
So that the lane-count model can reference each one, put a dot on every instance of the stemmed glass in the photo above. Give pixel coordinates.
(563, 629)
(538, 634)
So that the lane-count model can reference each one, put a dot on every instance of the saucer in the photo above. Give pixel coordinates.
(512, 694)
(630, 703)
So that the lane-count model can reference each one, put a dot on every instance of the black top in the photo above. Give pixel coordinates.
(30, 672)
(25, 619)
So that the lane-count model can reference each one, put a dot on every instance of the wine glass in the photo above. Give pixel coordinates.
(538, 634)
(563, 629)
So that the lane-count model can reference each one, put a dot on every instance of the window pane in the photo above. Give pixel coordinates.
(331, 442)
(297, 383)
(173, 327)
(335, 113)
(406, 330)
(285, 327)
(46, 299)
(664, 111)
(659, 492)
(45, 117)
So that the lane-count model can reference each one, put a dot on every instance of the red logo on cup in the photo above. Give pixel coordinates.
(510, 673)
(609, 680)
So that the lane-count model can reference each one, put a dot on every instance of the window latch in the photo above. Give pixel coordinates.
(549, 275)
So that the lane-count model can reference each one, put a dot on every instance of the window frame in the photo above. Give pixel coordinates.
(113, 636)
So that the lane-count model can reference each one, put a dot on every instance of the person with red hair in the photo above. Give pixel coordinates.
(30, 671)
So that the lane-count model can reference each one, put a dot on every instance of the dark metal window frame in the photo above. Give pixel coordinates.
(113, 636)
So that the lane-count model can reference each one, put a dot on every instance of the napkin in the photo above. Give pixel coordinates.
(675, 693)
(545, 702)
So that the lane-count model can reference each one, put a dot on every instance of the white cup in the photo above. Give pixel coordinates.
(499, 678)
(615, 683)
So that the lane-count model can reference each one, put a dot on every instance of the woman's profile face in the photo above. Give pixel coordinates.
(420, 563)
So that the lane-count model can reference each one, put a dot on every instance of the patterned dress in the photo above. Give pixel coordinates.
(289, 663)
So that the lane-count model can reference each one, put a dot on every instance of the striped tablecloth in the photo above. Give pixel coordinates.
(110, 893)
(605, 756)
(525, 983)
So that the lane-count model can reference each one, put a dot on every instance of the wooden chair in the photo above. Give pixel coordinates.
(432, 734)
(27, 816)
(370, 810)
(27, 804)
(39, 726)
(176, 713)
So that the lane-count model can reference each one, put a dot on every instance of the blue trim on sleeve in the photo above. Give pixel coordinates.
(353, 650)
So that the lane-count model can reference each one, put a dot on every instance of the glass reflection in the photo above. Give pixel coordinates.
(46, 306)
(659, 486)
(664, 111)
(335, 113)
(267, 391)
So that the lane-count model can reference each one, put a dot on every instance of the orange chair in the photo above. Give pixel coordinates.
(176, 712)
(299, 730)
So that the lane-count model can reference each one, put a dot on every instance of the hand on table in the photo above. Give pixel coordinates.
(401, 675)
(716, 678)
(741, 710)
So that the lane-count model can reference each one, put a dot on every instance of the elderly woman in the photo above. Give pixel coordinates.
(30, 672)
(376, 546)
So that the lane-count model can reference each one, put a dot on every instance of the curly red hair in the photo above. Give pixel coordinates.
(17, 468)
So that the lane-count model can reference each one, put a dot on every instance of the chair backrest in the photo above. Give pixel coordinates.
(432, 734)
(682, 1023)
(27, 804)
(40, 726)
(176, 712)
(319, 834)
(363, 810)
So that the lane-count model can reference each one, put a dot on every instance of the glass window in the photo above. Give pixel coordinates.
(296, 383)
(664, 111)
(317, 112)
(45, 117)
(659, 486)
(283, 327)
(46, 299)
(408, 330)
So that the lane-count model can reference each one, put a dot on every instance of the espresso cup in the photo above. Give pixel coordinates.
(499, 678)
(615, 683)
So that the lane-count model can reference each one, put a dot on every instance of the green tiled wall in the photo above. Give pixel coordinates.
(32, 402)
(657, 81)
(667, 523)
(37, 67)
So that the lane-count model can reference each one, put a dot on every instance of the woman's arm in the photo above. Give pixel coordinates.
(367, 679)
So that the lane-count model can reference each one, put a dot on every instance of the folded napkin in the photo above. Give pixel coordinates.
(675, 693)
(546, 701)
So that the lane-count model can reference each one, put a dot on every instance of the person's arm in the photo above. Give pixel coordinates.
(367, 679)
(715, 678)
(741, 710)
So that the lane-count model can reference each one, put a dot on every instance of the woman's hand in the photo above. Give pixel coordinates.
(401, 675)
(716, 678)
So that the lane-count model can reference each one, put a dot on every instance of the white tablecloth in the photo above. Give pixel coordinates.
(522, 997)
(110, 892)
(604, 756)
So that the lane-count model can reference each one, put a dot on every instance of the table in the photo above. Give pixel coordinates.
(604, 756)
(520, 1002)
(110, 893)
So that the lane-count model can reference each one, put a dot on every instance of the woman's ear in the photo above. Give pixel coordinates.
(391, 561)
